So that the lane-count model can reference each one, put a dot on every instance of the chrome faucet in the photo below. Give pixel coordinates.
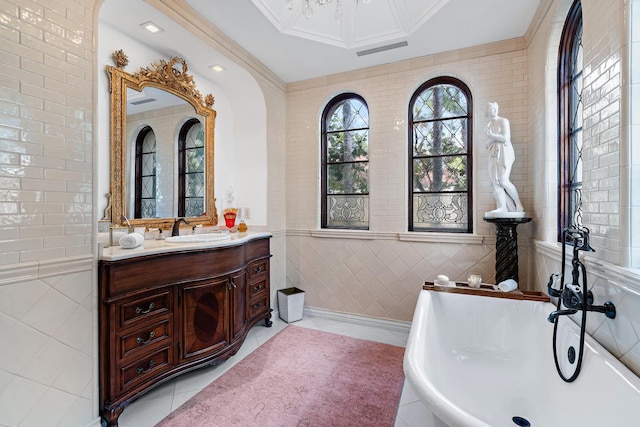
(175, 231)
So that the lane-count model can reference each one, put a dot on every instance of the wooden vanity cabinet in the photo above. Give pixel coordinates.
(163, 314)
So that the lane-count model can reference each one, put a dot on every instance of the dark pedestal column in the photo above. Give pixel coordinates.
(506, 247)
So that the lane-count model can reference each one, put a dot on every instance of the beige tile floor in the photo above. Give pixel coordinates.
(158, 403)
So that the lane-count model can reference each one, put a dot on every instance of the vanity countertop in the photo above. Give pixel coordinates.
(150, 247)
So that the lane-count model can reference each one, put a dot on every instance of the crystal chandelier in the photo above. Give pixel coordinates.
(307, 11)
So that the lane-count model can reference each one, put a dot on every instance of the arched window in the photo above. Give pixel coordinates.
(191, 169)
(145, 165)
(570, 84)
(345, 163)
(440, 157)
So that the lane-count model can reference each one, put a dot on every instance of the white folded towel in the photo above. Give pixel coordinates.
(131, 240)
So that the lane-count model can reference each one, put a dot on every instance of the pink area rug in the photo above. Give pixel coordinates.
(302, 377)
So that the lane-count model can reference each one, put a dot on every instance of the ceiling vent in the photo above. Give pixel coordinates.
(142, 101)
(382, 48)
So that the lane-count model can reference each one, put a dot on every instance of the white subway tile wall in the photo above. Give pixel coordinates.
(46, 163)
(47, 309)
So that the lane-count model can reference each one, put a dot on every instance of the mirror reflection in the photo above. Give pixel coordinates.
(165, 142)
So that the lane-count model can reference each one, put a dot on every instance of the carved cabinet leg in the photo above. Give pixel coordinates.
(267, 321)
(110, 416)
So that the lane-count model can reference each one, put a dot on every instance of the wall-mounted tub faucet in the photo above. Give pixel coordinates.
(552, 317)
(573, 296)
(175, 231)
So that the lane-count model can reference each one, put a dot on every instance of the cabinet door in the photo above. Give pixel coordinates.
(205, 317)
(239, 303)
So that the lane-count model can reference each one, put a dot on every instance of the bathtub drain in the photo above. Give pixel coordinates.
(522, 422)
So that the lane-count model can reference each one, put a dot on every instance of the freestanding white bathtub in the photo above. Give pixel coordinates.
(488, 362)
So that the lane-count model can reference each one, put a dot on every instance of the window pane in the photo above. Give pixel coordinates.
(148, 208)
(149, 187)
(440, 137)
(347, 146)
(195, 136)
(195, 160)
(195, 185)
(440, 211)
(194, 207)
(149, 164)
(347, 178)
(149, 142)
(441, 101)
(440, 174)
(348, 211)
(576, 157)
(348, 114)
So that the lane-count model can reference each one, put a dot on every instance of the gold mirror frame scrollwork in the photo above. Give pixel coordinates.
(171, 76)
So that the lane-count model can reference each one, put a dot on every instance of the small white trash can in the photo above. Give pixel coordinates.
(290, 304)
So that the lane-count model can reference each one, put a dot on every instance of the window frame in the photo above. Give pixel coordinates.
(139, 160)
(436, 81)
(182, 164)
(571, 34)
(324, 214)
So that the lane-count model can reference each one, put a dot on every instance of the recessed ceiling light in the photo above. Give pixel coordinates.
(217, 68)
(151, 27)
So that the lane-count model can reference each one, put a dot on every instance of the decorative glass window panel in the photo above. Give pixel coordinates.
(570, 87)
(345, 163)
(191, 187)
(145, 184)
(440, 120)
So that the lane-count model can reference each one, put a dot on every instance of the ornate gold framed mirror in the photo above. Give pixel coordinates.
(162, 146)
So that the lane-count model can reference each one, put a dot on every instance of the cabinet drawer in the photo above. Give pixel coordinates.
(144, 308)
(258, 306)
(145, 367)
(258, 268)
(258, 286)
(144, 337)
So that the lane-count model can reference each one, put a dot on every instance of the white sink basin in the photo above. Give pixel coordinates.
(198, 238)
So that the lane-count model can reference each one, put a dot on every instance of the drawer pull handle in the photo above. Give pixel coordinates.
(142, 370)
(257, 270)
(139, 309)
(256, 288)
(232, 284)
(257, 306)
(141, 340)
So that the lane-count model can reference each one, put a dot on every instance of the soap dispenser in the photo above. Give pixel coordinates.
(160, 235)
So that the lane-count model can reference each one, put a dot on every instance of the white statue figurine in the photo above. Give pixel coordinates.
(501, 158)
